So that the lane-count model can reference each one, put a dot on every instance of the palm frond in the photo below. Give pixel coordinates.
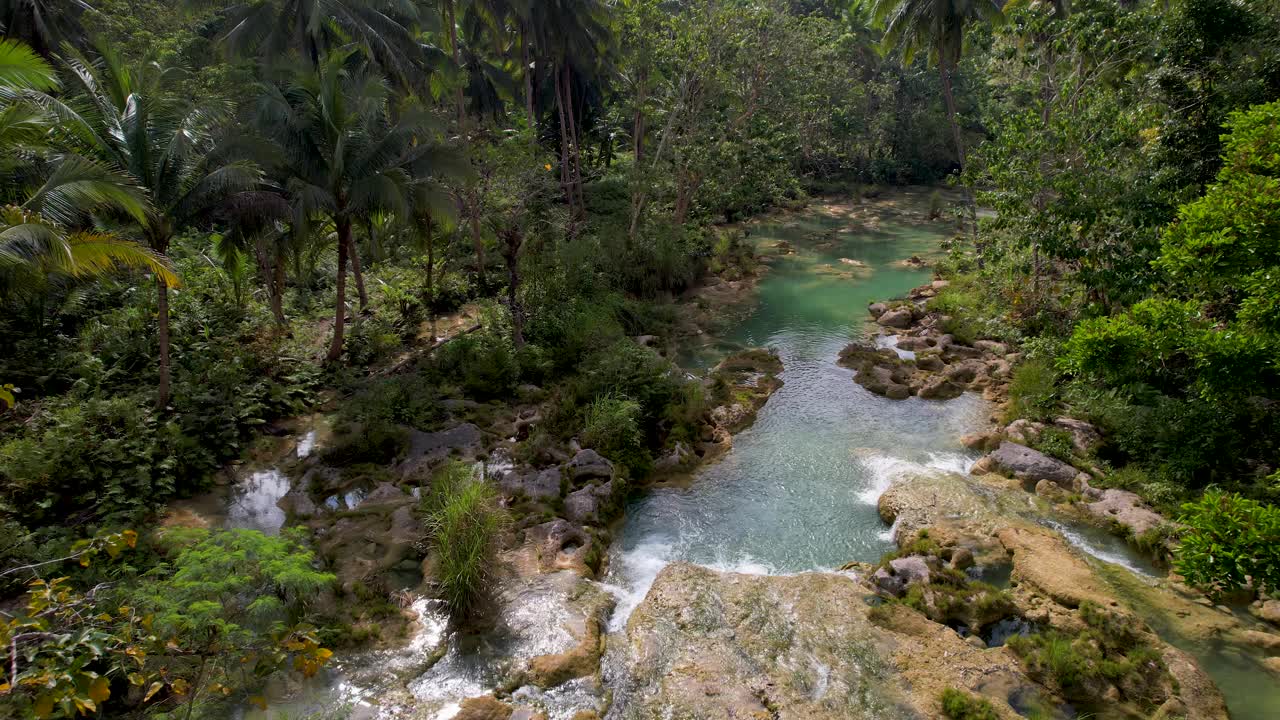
(95, 254)
(79, 186)
(22, 69)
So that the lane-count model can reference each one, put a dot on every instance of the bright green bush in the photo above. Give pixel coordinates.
(1033, 392)
(612, 428)
(465, 522)
(960, 705)
(1228, 541)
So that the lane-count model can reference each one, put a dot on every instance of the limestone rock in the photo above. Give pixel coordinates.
(1031, 466)
(940, 387)
(877, 309)
(428, 449)
(1268, 610)
(704, 644)
(1084, 437)
(899, 317)
(992, 347)
(588, 504)
(1127, 509)
(587, 464)
(539, 485)
(558, 545)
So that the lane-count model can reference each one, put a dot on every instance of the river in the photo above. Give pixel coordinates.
(797, 492)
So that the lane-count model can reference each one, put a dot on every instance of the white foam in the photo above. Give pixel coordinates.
(891, 342)
(886, 469)
(639, 567)
(306, 444)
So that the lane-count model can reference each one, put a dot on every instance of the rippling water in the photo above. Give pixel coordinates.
(798, 490)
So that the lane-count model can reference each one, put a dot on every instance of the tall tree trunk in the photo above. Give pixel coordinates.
(431, 270)
(356, 271)
(564, 142)
(277, 291)
(576, 178)
(452, 22)
(531, 116)
(473, 216)
(162, 323)
(947, 68)
(340, 303)
(512, 240)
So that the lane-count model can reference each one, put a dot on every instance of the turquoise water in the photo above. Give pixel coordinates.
(798, 490)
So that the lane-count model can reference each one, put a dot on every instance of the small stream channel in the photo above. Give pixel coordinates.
(796, 493)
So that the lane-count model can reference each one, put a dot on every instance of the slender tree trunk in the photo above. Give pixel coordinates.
(162, 323)
(431, 270)
(277, 291)
(527, 71)
(358, 273)
(451, 20)
(473, 216)
(512, 240)
(340, 302)
(953, 119)
(576, 178)
(564, 142)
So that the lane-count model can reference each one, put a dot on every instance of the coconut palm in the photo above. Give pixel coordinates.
(44, 24)
(178, 150)
(70, 188)
(383, 29)
(938, 27)
(347, 152)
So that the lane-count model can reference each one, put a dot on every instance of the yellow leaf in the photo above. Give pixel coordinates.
(180, 686)
(43, 707)
(84, 706)
(4, 688)
(130, 538)
(547, 166)
(151, 691)
(258, 701)
(99, 689)
(137, 679)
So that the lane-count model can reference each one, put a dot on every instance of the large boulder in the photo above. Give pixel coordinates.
(1031, 466)
(428, 449)
(588, 464)
(1126, 509)
(704, 644)
(1084, 437)
(590, 504)
(538, 484)
(899, 317)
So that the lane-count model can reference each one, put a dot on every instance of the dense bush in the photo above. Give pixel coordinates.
(612, 427)
(1230, 543)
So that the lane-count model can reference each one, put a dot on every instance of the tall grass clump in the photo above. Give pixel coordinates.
(1033, 392)
(612, 427)
(464, 521)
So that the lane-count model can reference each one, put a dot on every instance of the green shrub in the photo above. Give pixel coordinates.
(374, 441)
(1032, 391)
(960, 705)
(1228, 540)
(612, 427)
(464, 525)
(484, 362)
(1055, 442)
(410, 400)
(102, 457)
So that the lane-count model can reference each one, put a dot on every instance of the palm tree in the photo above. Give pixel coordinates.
(69, 187)
(346, 153)
(44, 24)
(129, 120)
(383, 29)
(937, 26)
